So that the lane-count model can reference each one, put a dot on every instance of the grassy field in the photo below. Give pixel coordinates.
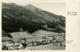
(39, 33)
(45, 47)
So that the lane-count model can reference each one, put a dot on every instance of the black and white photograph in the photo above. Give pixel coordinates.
(33, 26)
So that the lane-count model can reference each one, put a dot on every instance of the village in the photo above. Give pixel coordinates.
(23, 43)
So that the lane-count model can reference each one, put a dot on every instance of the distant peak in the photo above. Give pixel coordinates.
(30, 5)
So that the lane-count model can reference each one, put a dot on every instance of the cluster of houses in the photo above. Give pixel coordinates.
(21, 41)
(24, 43)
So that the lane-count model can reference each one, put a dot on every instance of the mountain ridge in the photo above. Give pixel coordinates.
(30, 19)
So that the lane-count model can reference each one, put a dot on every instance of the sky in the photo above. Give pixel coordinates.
(58, 8)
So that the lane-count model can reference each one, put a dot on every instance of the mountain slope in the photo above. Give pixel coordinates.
(30, 18)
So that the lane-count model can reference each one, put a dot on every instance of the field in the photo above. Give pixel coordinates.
(45, 47)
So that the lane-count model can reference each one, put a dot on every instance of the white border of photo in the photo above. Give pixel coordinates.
(72, 27)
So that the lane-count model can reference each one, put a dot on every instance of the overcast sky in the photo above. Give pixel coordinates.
(58, 8)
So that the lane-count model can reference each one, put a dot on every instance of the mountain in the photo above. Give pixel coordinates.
(30, 18)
